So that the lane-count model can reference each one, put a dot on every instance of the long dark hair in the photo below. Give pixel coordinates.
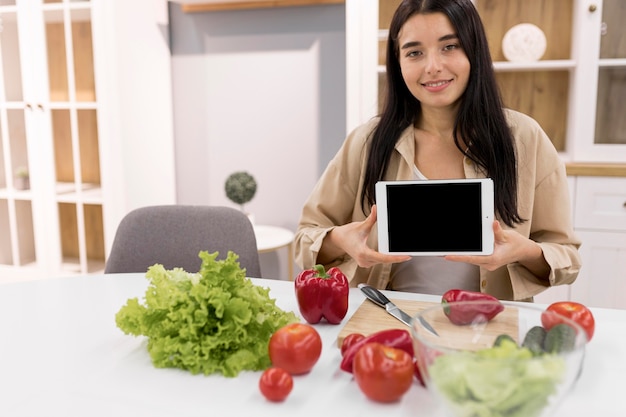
(480, 123)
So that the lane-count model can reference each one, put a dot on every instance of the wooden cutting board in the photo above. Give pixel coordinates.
(370, 318)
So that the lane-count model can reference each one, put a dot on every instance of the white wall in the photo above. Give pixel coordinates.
(135, 106)
(262, 91)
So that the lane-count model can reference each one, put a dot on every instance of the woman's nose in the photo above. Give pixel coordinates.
(433, 63)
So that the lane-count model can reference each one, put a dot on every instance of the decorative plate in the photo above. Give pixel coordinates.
(524, 43)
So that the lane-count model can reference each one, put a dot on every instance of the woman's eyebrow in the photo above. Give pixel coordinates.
(417, 43)
(410, 45)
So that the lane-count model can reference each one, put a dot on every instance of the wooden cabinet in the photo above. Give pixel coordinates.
(575, 91)
(59, 62)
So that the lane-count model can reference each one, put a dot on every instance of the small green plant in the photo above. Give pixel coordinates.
(22, 178)
(240, 188)
(21, 172)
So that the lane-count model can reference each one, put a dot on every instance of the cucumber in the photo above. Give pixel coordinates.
(535, 340)
(501, 338)
(560, 338)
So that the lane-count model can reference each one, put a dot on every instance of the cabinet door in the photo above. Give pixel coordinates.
(597, 127)
(610, 125)
(601, 203)
(48, 75)
(73, 131)
(602, 279)
(17, 200)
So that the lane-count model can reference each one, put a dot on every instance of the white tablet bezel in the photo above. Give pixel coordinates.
(434, 225)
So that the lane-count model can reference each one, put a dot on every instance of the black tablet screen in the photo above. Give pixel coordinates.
(434, 217)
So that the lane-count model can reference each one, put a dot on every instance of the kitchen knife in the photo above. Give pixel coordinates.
(381, 300)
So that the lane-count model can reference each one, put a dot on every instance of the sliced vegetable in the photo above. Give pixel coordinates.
(468, 313)
(322, 295)
(350, 340)
(396, 338)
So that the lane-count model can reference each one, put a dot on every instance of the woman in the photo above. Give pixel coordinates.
(443, 118)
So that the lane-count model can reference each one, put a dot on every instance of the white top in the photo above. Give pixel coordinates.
(433, 275)
(62, 355)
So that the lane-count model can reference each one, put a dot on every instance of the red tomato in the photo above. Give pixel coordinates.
(275, 384)
(383, 373)
(574, 311)
(295, 347)
(349, 340)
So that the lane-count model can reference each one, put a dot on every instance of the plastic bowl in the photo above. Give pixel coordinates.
(490, 367)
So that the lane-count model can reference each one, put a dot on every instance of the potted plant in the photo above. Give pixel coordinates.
(22, 178)
(240, 188)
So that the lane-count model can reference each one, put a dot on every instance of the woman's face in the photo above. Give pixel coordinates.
(434, 66)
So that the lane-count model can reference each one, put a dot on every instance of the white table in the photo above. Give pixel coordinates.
(62, 355)
(271, 238)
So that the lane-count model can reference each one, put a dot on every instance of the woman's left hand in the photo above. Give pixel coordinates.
(509, 247)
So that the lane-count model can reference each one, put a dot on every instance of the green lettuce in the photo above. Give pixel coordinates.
(213, 321)
(502, 381)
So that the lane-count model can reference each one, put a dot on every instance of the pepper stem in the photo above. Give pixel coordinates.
(320, 272)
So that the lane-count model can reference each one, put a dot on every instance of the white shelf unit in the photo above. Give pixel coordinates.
(76, 110)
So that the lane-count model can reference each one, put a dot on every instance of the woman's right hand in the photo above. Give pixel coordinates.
(351, 239)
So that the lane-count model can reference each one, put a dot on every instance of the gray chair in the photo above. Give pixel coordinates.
(173, 235)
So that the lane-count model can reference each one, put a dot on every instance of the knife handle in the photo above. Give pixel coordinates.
(374, 295)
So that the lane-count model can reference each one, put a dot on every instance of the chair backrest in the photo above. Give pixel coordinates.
(173, 235)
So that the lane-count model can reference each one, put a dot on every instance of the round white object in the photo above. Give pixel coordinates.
(524, 43)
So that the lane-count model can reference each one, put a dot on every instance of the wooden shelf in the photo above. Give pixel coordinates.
(212, 6)
(595, 169)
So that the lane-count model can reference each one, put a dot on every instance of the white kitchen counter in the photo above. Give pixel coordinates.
(61, 354)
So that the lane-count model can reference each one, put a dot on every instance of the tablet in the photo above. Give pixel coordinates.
(435, 217)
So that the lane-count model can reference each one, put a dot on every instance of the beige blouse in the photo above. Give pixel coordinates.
(543, 198)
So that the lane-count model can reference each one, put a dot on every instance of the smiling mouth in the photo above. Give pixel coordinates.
(436, 83)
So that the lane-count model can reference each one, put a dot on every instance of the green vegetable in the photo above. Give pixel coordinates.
(560, 338)
(501, 338)
(506, 380)
(213, 321)
(535, 339)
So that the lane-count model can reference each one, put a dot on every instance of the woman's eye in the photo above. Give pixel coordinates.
(413, 54)
(451, 47)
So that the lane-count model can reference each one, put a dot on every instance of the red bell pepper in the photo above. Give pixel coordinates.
(322, 294)
(395, 338)
(466, 314)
